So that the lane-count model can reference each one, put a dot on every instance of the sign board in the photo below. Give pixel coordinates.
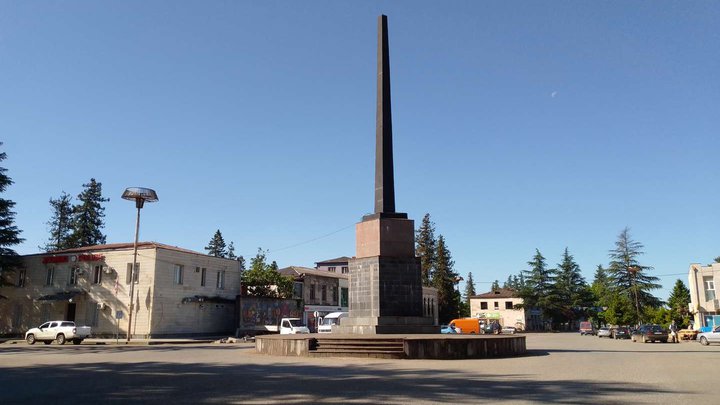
(119, 314)
(316, 314)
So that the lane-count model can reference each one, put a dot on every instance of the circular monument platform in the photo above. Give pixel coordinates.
(447, 347)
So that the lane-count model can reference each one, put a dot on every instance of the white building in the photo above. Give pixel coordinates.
(177, 291)
(704, 304)
(500, 305)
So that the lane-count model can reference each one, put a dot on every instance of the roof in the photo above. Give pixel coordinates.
(499, 293)
(123, 246)
(301, 271)
(337, 260)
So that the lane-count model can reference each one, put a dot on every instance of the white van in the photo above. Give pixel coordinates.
(329, 320)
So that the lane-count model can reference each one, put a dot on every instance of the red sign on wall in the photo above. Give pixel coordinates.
(55, 259)
(90, 258)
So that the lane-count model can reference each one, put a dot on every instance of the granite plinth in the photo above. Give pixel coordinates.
(385, 236)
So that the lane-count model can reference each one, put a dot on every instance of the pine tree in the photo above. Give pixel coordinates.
(508, 283)
(571, 290)
(537, 290)
(444, 279)
(495, 286)
(61, 224)
(241, 259)
(678, 303)
(629, 277)
(9, 233)
(87, 218)
(469, 287)
(425, 248)
(216, 247)
(231, 251)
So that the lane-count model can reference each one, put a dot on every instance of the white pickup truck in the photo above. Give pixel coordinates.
(59, 331)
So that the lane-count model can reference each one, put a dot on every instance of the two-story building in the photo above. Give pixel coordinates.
(337, 265)
(501, 305)
(176, 291)
(704, 303)
(322, 292)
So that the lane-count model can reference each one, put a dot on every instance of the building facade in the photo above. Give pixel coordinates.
(322, 292)
(337, 265)
(500, 305)
(704, 303)
(177, 291)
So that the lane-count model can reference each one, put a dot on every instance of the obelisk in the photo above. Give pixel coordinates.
(385, 282)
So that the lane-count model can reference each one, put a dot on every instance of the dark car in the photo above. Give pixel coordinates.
(621, 332)
(650, 333)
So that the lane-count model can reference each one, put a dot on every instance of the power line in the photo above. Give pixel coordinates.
(312, 240)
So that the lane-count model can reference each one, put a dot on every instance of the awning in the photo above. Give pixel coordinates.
(202, 298)
(61, 296)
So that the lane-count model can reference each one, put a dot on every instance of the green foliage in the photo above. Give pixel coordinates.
(629, 278)
(571, 291)
(538, 291)
(425, 248)
(678, 304)
(231, 251)
(495, 286)
(9, 233)
(469, 288)
(444, 279)
(216, 247)
(463, 306)
(264, 280)
(87, 218)
(717, 259)
(61, 224)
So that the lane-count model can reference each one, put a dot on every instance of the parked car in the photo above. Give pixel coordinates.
(508, 330)
(330, 320)
(586, 328)
(621, 332)
(604, 332)
(292, 326)
(59, 331)
(448, 329)
(650, 333)
(466, 325)
(713, 336)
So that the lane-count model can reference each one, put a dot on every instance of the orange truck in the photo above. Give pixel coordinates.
(466, 325)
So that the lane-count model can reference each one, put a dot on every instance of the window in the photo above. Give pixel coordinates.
(331, 269)
(73, 276)
(344, 269)
(21, 278)
(343, 297)
(508, 305)
(709, 288)
(496, 306)
(323, 293)
(483, 305)
(312, 291)
(178, 278)
(298, 290)
(334, 295)
(220, 280)
(203, 276)
(50, 276)
(129, 272)
(97, 275)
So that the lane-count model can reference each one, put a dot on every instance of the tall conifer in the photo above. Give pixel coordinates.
(88, 216)
(425, 248)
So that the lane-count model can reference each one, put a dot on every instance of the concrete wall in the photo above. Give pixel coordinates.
(698, 302)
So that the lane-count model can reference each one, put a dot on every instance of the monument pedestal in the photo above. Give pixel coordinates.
(385, 281)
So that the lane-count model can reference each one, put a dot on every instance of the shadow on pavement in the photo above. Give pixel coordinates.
(151, 382)
(40, 349)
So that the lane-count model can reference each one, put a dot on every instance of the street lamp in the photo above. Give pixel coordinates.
(140, 195)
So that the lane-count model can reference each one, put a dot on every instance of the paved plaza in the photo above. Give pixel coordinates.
(561, 368)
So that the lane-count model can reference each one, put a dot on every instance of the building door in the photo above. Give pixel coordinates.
(70, 316)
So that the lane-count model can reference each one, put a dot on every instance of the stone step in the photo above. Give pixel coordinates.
(360, 347)
(378, 354)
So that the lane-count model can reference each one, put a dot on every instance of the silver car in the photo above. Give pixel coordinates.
(604, 332)
(713, 336)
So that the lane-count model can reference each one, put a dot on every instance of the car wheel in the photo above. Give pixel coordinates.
(60, 339)
(77, 341)
(472, 332)
(30, 339)
(663, 341)
(704, 341)
(47, 342)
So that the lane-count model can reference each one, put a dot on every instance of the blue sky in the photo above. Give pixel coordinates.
(517, 125)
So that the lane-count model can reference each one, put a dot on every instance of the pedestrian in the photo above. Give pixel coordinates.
(673, 332)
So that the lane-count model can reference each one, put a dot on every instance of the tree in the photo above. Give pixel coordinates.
(444, 279)
(87, 218)
(571, 290)
(9, 232)
(629, 277)
(264, 280)
(216, 247)
(678, 304)
(231, 251)
(425, 248)
(537, 290)
(469, 287)
(717, 259)
(61, 224)
(495, 286)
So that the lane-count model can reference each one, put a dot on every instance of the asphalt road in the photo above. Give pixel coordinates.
(560, 368)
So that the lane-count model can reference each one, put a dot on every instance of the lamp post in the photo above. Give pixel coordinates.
(140, 195)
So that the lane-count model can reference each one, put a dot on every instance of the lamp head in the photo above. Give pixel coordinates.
(140, 195)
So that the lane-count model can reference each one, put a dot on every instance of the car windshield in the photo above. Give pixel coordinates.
(296, 322)
(656, 328)
(330, 321)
